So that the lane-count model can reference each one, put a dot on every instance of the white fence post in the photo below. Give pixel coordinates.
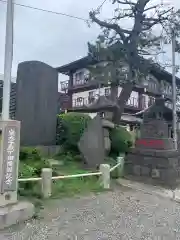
(46, 182)
(105, 178)
(120, 168)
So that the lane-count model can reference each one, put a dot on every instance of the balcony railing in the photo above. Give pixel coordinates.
(84, 82)
(86, 101)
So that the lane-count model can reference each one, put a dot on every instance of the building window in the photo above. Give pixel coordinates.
(91, 96)
(107, 91)
(79, 78)
(79, 101)
(152, 86)
(86, 77)
(102, 114)
(151, 101)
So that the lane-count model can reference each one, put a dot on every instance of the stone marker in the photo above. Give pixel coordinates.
(11, 211)
(105, 178)
(46, 182)
(91, 143)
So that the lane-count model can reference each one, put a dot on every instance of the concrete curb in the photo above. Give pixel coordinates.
(152, 190)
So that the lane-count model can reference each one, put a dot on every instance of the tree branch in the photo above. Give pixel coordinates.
(112, 26)
(125, 2)
(150, 8)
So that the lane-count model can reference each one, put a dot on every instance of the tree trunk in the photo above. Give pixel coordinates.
(122, 100)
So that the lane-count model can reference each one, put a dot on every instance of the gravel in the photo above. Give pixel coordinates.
(122, 214)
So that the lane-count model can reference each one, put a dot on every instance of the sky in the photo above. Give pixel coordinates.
(51, 38)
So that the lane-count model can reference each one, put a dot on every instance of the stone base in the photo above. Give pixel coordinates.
(162, 166)
(16, 213)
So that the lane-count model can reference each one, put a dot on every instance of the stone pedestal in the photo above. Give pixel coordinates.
(160, 164)
(16, 213)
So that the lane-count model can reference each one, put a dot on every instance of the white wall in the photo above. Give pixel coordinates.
(85, 95)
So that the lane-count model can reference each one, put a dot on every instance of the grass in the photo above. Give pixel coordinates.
(65, 187)
(74, 186)
(61, 188)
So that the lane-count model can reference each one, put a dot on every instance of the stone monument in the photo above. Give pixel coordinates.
(37, 103)
(154, 155)
(95, 142)
(11, 210)
(91, 144)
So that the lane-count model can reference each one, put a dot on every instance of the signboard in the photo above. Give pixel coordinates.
(10, 157)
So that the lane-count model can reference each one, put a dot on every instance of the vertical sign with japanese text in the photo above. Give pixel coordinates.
(10, 148)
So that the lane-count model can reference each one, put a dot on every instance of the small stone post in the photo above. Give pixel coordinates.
(46, 182)
(120, 168)
(105, 178)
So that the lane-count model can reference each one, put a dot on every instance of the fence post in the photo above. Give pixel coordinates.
(46, 182)
(105, 178)
(120, 168)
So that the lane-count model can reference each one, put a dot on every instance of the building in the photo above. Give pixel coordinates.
(82, 90)
(12, 96)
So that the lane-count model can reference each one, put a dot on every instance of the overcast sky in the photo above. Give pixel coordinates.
(53, 39)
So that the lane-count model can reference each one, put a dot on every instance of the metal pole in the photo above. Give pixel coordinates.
(8, 60)
(174, 91)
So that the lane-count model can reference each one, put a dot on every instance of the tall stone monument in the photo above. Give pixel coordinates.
(37, 103)
(154, 155)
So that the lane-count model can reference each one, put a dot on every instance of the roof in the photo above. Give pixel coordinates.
(159, 104)
(85, 61)
(131, 118)
(72, 66)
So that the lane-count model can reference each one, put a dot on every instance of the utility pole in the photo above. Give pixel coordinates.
(174, 90)
(8, 60)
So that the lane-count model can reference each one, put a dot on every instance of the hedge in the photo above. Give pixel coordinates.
(70, 129)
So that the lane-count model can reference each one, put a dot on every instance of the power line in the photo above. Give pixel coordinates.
(49, 11)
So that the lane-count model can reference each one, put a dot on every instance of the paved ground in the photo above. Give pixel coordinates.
(122, 214)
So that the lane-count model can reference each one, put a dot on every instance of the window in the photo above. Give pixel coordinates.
(86, 77)
(151, 101)
(102, 114)
(79, 99)
(79, 77)
(107, 92)
(91, 96)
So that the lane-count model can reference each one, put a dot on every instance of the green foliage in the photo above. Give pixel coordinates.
(29, 153)
(31, 164)
(121, 140)
(70, 128)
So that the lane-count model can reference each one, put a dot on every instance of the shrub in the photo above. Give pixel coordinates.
(29, 153)
(70, 129)
(31, 162)
(30, 165)
(121, 140)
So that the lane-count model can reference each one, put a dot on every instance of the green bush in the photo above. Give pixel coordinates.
(31, 162)
(121, 140)
(29, 153)
(30, 166)
(70, 129)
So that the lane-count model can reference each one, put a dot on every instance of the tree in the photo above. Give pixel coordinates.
(117, 44)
